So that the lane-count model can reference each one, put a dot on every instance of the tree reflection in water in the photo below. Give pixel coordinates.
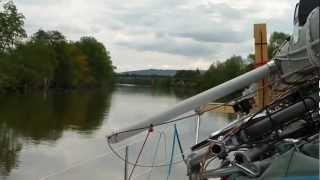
(9, 149)
(43, 117)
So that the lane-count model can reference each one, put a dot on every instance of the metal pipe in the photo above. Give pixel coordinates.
(197, 128)
(126, 163)
(197, 157)
(251, 154)
(221, 172)
(258, 168)
(197, 101)
(267, 124)
(247, 170)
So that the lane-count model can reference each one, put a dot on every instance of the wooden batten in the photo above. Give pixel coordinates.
(263, 96)
(218, 107)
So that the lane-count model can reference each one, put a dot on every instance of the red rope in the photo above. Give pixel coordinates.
(142, 147)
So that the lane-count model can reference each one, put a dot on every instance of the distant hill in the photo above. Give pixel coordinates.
(151, 72)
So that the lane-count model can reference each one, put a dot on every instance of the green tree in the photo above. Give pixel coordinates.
(57, 41)
(187, 74)
(52, 38)
(79, 71)
(8, 75)
(72, 68)
(11, 26)
(234, 67)
(36, 62)
(47, 59)
(99, 60)
(220, 72)
(276, 40)
(187, 78)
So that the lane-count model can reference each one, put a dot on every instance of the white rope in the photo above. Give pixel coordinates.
(81, 163)
(74, 166)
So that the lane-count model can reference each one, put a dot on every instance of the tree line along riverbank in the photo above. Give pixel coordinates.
(48, 60)
(218, 72)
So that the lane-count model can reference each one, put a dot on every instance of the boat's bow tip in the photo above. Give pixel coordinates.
(112, 136)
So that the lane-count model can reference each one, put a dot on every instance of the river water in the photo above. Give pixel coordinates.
(61, 135)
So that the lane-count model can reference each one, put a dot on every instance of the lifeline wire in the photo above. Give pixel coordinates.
(192, 115)
(141, 165)
(162, 165)
(155, 154)
(80, 163)
(179, 119)
(140, 153)
(213, 108)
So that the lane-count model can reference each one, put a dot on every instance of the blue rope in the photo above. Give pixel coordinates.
(175, 138)
(179, 143)
(172, 152)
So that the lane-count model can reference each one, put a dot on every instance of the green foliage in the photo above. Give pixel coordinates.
(276, 40)
(29, 66)
(99, 59)
(187, 74)
(37, 63)
(47, 59)
(11, 27)
(187, 78)
(53, 38)
(236, 65)
(80, 74)
(221, 72)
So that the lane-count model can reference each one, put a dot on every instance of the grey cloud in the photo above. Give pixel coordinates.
(171, 47)
(217, 24)
(38, 2)
(198, 23)
(222, 9)
(69, 28)
(186, 28)
(214, 37)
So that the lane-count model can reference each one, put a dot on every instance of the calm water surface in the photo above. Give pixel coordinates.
(62, 135)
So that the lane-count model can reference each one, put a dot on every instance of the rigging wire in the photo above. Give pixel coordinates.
(175, 138)
(80, 163)
(113, 150)
(206, 165)
(155, 155)
(179, 143)
(140, 153)
(210, 109)
(141, 165)
(63, 171)
(172, 152)
(196, 113)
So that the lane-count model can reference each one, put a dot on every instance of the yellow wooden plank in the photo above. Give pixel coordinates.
(218, 107)
(263, 97)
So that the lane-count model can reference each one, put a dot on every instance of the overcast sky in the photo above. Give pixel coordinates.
(166, 34)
